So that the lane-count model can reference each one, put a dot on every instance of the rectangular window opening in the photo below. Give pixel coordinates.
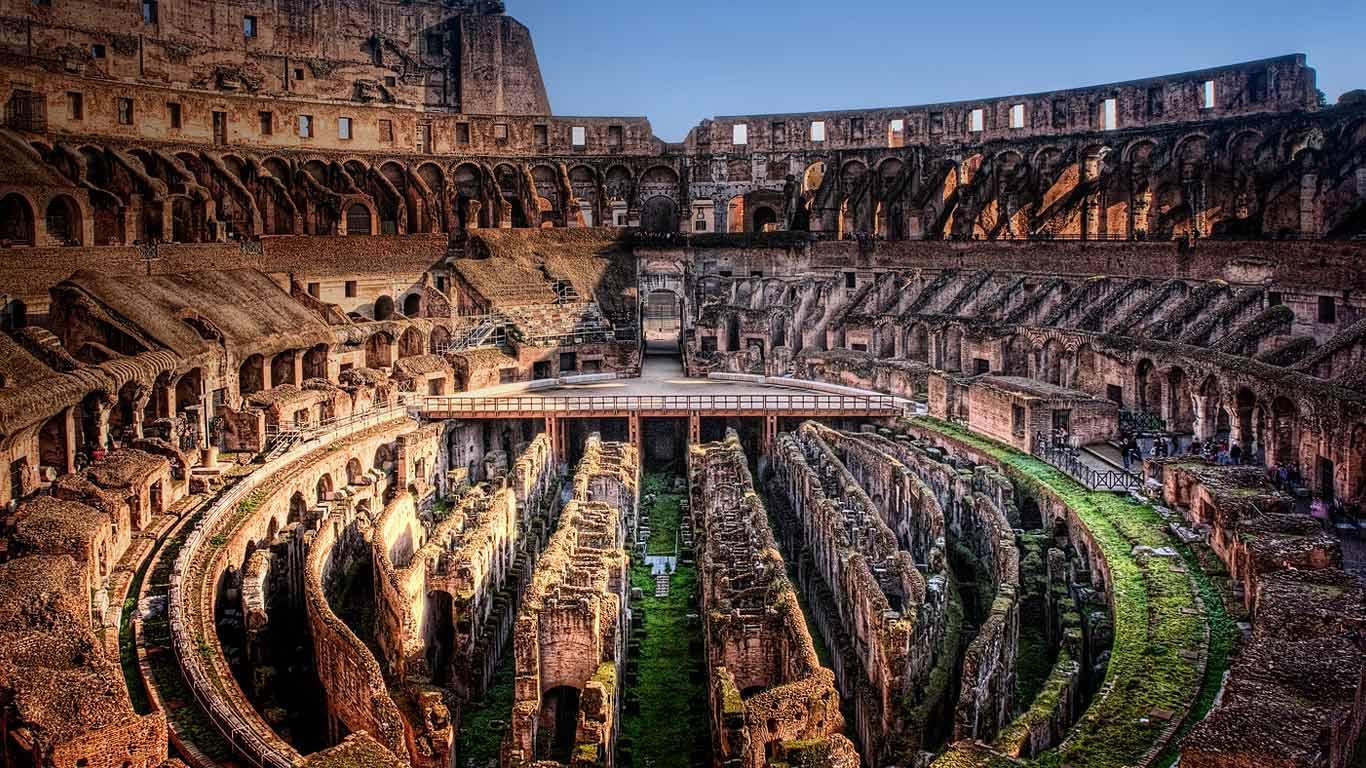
(818, 130)
(97, 51)
(386, 131)
(896, 133)
(1207, 95)
(249, 26)
(149, 11)
(739, 134)
(777, 131)
(616, 135)
(579, 135)
(305, 126)
(856, 129)
(1328, 310)
(175, 113)
(1155, 101)
(75, 106)
(500, 132)
(125, 107)
(977, 120)
(267, 123)
(1017, 116)
(936, 122)
(1109, 114)
(344, 128)
(350, 289)
(462, 133)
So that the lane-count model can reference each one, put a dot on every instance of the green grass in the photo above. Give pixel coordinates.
(664, 515)
(671, 728)
(1033, 663)
(484, 723)
(1152, 629)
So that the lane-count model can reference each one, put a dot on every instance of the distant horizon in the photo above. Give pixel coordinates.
(673, 65)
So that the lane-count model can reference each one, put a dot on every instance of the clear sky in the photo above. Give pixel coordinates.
(679, 62)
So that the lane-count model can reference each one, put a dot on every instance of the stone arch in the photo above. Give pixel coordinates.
(16, 220)
(412, 305)
(660, 175)
(659, 214)
(1284, 430)
(62, 220)
(323, 488)
(1147, 388)
(360, 219)
(282, 368)
(918, 342)
(1051, 357)
(411, 343)
(354, 471)
(439, 340)
(1016, 355)
(813, 177)
(315, 362)
(379, 350)
(1180, 400)
(251, 375)
(298, 508)
(384, 307)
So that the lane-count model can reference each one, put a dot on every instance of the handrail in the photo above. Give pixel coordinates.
(1065, 459)
(631, 403)
(229, 722)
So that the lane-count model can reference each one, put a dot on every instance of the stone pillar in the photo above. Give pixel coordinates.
(298, 368)
(634, 430)
(266, 383)
(102, 411)
(694, 427)
(69, 438)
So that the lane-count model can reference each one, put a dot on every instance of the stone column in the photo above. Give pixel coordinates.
(298, 367)
(69, 438)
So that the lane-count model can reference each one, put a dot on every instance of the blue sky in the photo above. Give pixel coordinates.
(679, 62)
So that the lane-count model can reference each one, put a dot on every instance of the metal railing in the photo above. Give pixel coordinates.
(812, 403)
(1068, 459)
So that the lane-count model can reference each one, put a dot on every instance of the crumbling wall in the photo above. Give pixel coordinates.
(768, 691)
(571, 629)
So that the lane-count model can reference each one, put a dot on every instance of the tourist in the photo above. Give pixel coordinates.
(1236, 454)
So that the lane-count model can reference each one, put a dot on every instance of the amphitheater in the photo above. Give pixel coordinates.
(356, 411)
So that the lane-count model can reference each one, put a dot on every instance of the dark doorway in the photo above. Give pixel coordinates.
(559, 721)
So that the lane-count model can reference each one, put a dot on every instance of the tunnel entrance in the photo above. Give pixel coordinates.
(612, 429)
(663, 324)
(664, 445)
(559, 721)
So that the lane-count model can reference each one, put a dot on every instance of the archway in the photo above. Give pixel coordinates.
(412, 305)
(384, 307)
(251, 375)
(298, 507)
(440, 639)
(323, 489)
(659, 215)
(439, 340)
(1147, 388)
(765, 219)
(663, 323)
(558, 721)
(1284, 422)
(282, 369)
(410, 344)
(315, 362)
(918, 343)
(353, 472)
(358, 220)
(379, 351)
(63, 220)
(16, 221)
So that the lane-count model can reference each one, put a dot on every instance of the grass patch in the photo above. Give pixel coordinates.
(484, 723)
(1152, 626)
(671, 727)
(664, 514)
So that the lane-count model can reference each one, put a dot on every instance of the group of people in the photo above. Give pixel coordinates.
(1222, 452)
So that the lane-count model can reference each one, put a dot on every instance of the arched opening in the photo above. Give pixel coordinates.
(1031, 519)
(323, 489)
(440, 640)
(765, 219)
(353, 472)
(918, 343)
(358, 220)
(659, 215)
(251, 375)
(282, 369)
(1017, 356)
(412, 305)
(1147, 388)
(410, 344)
(1284, 425)
(123, 416)
(558, 723)
(189, 399)
(735, 214)
(663, 320)
(298, 507)
(315, 362)
(384, 307)
(439, 341)
(1180, 403)
(1249, 426)
(953, 349)
(379, 351)
(63, 220)
(16, 221)
(732, 332)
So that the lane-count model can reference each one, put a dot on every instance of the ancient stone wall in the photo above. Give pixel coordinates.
(768, 691)
(569, 638)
